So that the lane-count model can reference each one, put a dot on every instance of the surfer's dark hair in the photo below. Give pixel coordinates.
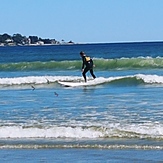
(82, 53)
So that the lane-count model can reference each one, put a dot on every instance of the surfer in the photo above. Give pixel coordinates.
(87, 65)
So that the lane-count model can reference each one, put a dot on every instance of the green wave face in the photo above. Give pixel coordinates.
(100, 64)
(132, 63)
(41, 65)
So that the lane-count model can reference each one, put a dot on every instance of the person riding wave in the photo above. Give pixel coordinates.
(87, 65)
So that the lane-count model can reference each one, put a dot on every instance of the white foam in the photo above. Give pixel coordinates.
(52, 79)
(35, 79)
(148, 130)
(52, 132)
(150, 79)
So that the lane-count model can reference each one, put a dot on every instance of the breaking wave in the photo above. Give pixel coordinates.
(119, 80)
(141, 131)
(82, 137)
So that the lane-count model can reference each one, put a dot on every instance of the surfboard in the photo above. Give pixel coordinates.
(71, 84)
(78, 84)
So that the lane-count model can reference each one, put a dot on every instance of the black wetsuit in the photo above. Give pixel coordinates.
(88, 64)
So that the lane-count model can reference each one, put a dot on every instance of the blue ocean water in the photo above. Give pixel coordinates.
(121, 110)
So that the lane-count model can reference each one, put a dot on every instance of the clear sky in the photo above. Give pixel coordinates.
(84, 21)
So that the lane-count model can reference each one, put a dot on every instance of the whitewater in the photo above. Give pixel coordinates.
(40, 80)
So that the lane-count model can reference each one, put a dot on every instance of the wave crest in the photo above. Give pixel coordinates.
(119, 80)
(119, 131)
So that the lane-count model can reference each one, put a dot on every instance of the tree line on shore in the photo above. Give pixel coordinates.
(18, 39)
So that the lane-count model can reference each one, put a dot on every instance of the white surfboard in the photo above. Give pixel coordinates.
(78, 84)
(71, 84)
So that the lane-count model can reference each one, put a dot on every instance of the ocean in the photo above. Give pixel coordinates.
(119, 118)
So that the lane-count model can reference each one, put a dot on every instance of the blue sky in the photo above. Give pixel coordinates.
(84, 21)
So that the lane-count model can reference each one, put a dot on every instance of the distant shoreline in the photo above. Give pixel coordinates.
(19, 40)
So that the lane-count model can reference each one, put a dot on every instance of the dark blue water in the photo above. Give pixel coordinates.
(71, 52)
